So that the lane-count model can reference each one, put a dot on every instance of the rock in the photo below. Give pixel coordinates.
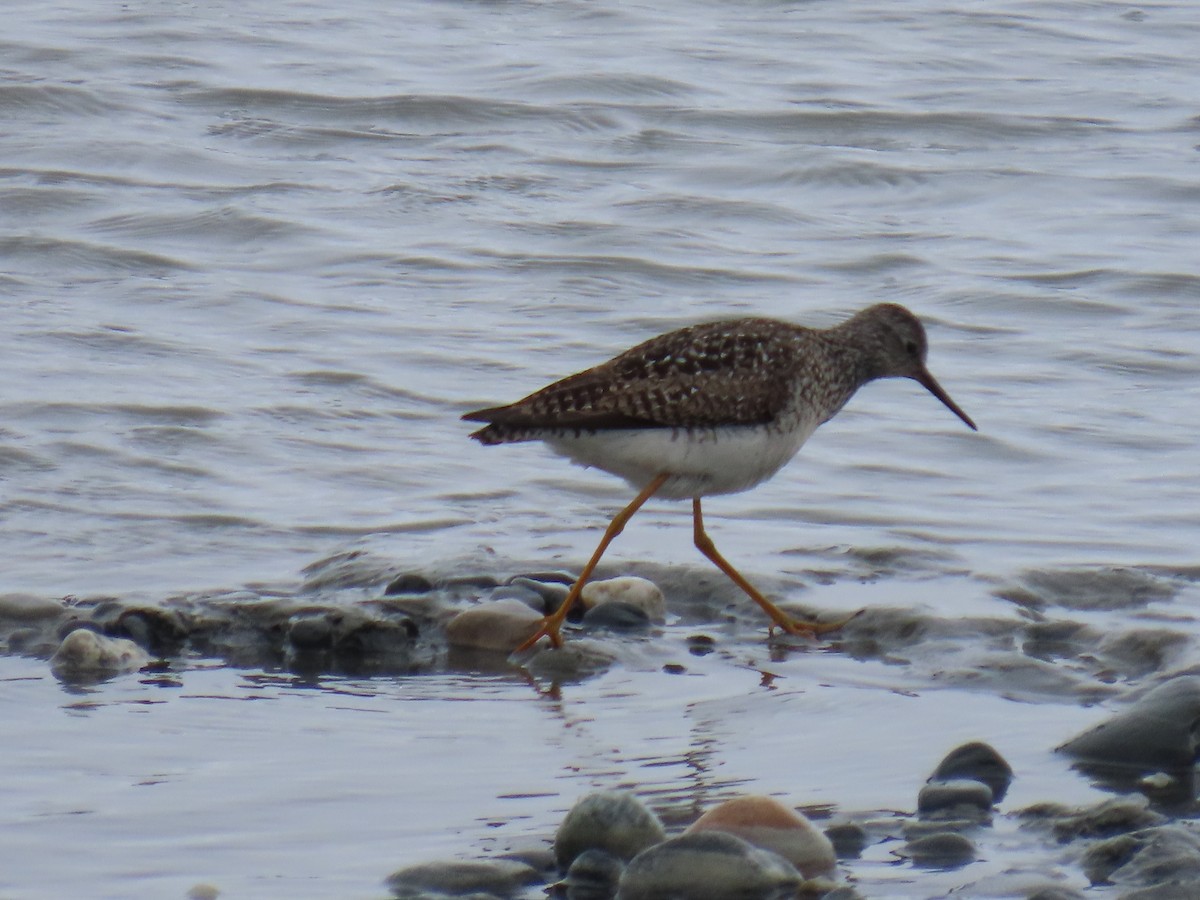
(616, 822)
(594, 875)
(1168, 890)
(959, 797)
(767, 823)
(979, 762)
(497, 876)
(85, 653)
(616, 615)
(705, 865)
(1159, 731)
(941, 850)
(310, 630)
(1117, 815)
(550, 592)
(28, 608)
(1164, 854)
(499, 625)
(849, 839)
(574, 660)
(1055, 892)
(408, 583)
(203, 892)
(629, 589)
(162, 631)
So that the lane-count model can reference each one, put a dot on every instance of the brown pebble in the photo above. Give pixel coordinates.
(767, 823)
(499, 625)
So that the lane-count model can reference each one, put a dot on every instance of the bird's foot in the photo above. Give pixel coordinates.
(801, 628)
(549, 628)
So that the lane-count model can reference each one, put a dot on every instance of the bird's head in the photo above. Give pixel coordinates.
(897, 347)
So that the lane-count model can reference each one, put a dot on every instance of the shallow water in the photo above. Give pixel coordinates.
(258, 259)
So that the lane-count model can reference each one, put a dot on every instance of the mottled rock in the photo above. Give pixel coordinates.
(203, 892)
(616, 822)
(629, 589)
(456, 878)
(85, 653)
(705, 865)
(767, 823)
(1160, 731)
(499, 625)
(976, 761)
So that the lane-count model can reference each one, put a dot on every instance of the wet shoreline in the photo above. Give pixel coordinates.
(1055, 641)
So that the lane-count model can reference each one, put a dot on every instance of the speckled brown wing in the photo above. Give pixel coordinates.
(718, 373)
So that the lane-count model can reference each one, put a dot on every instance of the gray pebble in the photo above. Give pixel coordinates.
(616, 822)
(705, 865)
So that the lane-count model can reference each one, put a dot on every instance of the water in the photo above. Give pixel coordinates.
(257, 259)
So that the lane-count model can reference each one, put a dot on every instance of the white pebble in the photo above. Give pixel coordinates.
(638, 592)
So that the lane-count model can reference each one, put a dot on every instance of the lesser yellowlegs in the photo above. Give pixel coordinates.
(711, 409)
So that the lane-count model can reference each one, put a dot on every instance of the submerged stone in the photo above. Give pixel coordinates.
(456, 878)
(705, 865)
(941, 850)
(616, 822)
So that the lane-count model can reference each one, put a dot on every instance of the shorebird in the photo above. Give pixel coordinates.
(709, 409)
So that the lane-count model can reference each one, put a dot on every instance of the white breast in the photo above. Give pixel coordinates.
(701, 461)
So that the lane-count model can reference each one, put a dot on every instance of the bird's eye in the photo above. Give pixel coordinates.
(910, 347)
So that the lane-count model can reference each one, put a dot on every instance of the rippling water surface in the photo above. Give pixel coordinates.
(257, 258)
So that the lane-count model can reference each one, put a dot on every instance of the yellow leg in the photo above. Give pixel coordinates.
(551, 624)
(778, 617)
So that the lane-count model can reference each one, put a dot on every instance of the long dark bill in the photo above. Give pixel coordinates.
(934, 388)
